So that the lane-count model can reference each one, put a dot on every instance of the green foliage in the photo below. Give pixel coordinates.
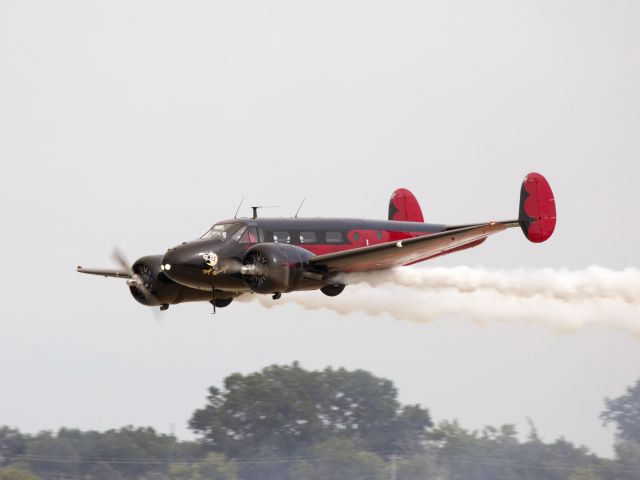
(103, 471)
(628, 465)
(287, 423)
(584, 473)
(339, 459)
(214, 467)
(12, 443)
(139, 453)
(49, 455)
(496, 453)
(284, 410)
(13, 473)
(423, 466)
(624, 411)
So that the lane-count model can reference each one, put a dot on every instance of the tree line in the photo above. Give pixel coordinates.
(288, 423)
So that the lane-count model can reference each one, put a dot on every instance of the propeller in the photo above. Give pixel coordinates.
(137, 280)
(255, 270)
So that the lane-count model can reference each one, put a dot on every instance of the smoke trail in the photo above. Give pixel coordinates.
(578, 285)
(565, 300)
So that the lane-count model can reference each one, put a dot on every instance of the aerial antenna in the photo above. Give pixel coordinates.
(238, 209)
(298, 211)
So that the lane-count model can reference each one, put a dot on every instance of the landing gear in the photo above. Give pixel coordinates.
(276, 296)
(219, 302)
(332, 290)
(164, 306)
(223, 302)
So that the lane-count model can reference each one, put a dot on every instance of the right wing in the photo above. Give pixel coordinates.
(105, 272)
(402, 252)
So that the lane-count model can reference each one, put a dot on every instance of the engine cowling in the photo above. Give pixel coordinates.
(274, 268)
(151, 287)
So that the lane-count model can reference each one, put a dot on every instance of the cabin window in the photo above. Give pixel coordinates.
(334, 237)
(308, 237)
(356, 236)
(379, 235)
(238, 235)
(246, 235)
(281, 237)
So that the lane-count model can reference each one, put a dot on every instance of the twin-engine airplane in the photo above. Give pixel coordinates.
(279, 255)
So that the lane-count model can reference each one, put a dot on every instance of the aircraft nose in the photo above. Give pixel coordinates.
(184, 264)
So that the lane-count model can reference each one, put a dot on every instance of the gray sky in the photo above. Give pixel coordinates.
(140, 123)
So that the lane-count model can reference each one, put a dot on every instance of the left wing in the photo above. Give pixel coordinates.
(105, 272)
(402, 252)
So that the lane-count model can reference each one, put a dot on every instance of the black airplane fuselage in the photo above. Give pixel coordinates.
(212, 261)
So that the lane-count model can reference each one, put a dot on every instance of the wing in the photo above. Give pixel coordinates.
(394, 254)
(105, 272)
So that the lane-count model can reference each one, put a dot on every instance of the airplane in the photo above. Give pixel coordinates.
(273, 256)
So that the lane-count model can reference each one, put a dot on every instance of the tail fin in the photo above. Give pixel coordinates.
(537, 216)
(404, 207)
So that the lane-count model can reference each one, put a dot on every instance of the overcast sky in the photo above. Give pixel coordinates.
(140, 123)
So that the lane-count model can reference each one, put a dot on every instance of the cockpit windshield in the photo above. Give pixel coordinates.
(221, 231)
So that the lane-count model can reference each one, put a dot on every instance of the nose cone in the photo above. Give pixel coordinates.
(188, 264)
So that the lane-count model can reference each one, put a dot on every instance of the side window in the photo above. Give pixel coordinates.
(308, 237)
(281, 237)
(237, 237)
(334, 237)
(249, 236)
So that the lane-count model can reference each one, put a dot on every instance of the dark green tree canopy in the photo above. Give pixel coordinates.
(282, 410)
(624, 411)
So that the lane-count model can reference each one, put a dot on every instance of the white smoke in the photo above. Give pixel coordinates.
(565, 300)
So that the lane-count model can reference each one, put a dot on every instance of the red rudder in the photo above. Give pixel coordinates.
(404, 207)
(537, 216)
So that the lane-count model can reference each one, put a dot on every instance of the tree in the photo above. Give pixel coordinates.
(497, 454)
(103, 471)
(213, 467)
(628, 465)
(50, 456)
(284, 410)
(339, 459)
(12, 443)
(584, 473)
(624, 411)
(420, 467)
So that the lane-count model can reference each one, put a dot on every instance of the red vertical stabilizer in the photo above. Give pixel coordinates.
(537, 216)
(404, 207)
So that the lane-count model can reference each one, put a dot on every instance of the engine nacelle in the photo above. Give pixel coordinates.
(274, 267)
(157, 288)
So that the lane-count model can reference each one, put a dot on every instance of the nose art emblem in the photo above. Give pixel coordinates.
(211, 260)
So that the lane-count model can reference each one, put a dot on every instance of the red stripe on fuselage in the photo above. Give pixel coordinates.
(361, 238)
(373, 237)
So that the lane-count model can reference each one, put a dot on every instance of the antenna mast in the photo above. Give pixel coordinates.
(238, 209)
(298, 211)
